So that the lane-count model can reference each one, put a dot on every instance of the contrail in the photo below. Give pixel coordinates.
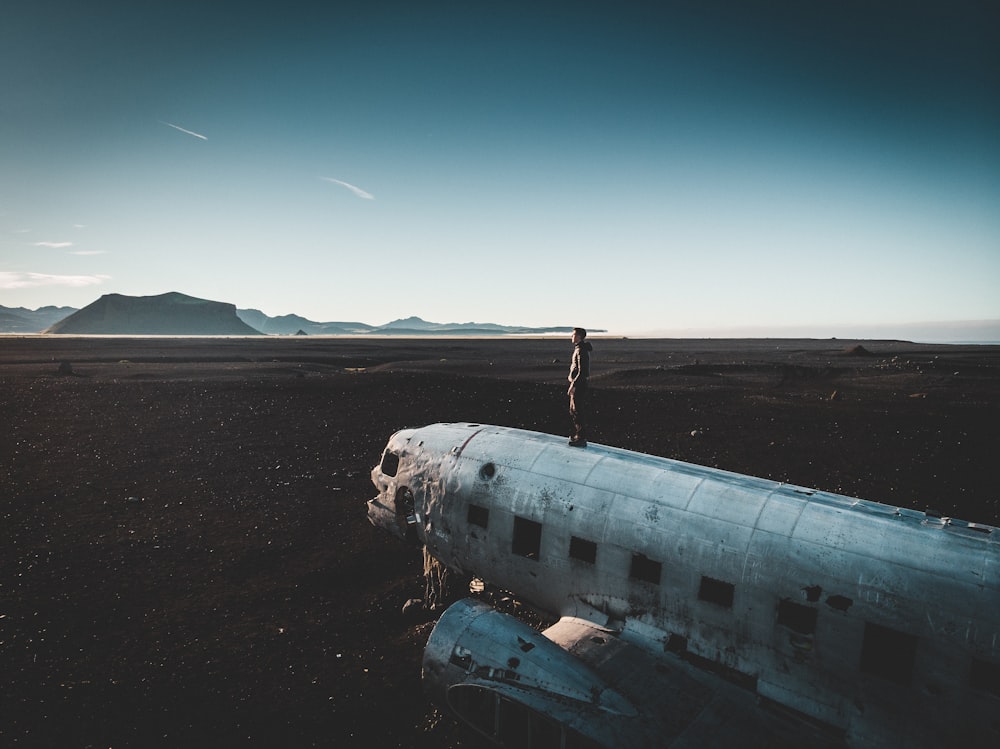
(356, 190)
(189, 132)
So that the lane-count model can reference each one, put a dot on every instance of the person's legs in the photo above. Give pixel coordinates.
(578, 403)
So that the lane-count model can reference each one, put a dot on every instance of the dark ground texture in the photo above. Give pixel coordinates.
(185, 558)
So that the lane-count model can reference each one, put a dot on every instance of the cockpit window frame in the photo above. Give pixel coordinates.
(389, 465)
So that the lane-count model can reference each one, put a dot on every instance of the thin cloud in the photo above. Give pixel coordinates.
(88, 252)
(184, 130)
(356, 190)
(11, 280)
(54, 245)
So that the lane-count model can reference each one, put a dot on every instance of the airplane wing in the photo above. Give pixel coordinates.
(578, 684)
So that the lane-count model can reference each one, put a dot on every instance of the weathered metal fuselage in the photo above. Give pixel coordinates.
(879, 623)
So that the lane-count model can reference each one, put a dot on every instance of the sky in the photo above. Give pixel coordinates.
(694, 166)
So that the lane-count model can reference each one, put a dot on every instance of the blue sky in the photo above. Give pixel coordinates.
(670, 167)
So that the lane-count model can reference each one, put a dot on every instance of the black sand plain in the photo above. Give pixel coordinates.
(185, 558)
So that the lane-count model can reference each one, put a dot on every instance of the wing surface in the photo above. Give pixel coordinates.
(682, 707)
(587, 683)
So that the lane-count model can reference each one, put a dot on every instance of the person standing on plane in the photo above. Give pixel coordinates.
(579, 387)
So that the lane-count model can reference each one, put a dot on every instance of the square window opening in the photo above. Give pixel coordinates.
(717, 592)
(527, 540)
(585, 551)
(796, 617)
(478, 516)
(645, 569)
(888, 654)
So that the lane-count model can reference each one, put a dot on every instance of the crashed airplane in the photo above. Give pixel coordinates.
(693, 607)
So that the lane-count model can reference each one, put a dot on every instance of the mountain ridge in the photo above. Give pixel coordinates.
(411, 326)
(174, 313)
(24, 320)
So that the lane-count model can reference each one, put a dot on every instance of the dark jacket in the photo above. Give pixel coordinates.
(579, 368)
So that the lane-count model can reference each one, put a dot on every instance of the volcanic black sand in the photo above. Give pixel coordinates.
(185, 558)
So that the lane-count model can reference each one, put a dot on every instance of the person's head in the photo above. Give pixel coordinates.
(579, 334)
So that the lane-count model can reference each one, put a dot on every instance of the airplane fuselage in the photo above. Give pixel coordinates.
(879, 623)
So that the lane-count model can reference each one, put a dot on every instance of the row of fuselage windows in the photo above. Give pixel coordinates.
(886, 653)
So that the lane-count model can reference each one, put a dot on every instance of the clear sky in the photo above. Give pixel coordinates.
(639, 167)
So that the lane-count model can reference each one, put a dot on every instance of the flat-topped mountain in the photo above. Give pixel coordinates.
(165, 314)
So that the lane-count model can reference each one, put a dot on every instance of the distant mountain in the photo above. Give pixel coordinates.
(165, 314)
(412, 326)
(409, 323)
(23, 320)
(297, 325)
(416, 326)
